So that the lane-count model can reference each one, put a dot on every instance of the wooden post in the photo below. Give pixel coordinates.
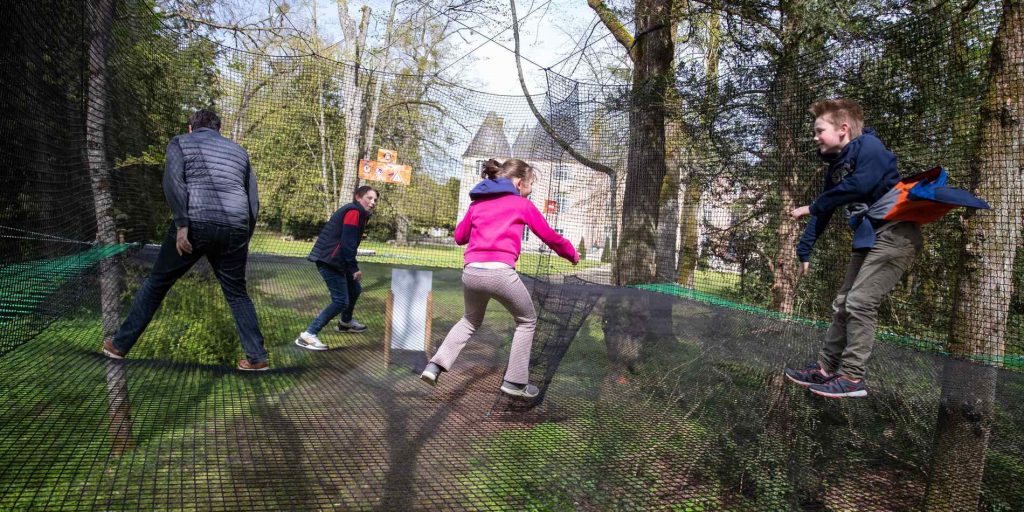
(428, 340)
(388, 309)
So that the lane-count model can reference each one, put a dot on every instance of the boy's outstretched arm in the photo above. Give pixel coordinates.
(812, 231)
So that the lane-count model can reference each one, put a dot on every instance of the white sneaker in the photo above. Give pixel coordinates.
(350, 326)
(430, 374)
(310, 341)
(523, 390)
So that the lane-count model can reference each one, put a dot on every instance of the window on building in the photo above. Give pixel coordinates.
(562, 173)
(562, 199)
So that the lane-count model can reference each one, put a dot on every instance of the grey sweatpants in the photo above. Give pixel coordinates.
(869, 277)
(480, 285)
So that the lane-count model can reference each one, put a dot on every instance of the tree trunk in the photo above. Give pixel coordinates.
(237, 131)
(645, 165)
(961, 436)
(321, 122)
(401, 230)
(626, 325)
(787, 86)
(101, 16)
(668, 215)
(689, 231)
(370, 127)
(689, 248)
(353, 104)
(985, 281)
(614, 219)
(119, 409)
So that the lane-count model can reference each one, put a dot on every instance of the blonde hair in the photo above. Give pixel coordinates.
(839, 111)
(511, 168)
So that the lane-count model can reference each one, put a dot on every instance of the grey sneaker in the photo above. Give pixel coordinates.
(350, 326)
(523, 390)
(431, 373)
(841, 386)
(310, 341)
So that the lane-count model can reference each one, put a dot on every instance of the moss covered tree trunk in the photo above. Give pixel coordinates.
(668, 213)
(985, 282)
(645, 165)
(651, 53)
(689, 231)
(789, 107)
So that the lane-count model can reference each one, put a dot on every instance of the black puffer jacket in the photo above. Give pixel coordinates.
(208, 178)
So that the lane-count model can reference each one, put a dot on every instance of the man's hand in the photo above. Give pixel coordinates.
(802, 211)
(805, 267)
(358, 276)
(184, 246)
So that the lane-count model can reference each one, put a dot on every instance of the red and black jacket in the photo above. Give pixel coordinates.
(339, 239)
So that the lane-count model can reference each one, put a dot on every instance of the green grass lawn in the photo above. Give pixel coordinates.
(719, 284)
(435, 256)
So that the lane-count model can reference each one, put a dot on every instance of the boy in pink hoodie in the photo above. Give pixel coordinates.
(493, 228)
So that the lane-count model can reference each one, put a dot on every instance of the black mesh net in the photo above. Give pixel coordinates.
(659, 357)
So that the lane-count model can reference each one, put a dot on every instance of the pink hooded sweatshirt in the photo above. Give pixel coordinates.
(493, 225)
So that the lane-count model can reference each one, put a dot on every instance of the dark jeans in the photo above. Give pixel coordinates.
(226, 249)
(344, 293)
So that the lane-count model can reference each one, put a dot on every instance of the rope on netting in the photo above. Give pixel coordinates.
(42, 236)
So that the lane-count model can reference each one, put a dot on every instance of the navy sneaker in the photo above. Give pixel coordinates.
(809, 376)
(841, 386)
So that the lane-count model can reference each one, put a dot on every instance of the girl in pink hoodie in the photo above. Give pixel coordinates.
(493, 229)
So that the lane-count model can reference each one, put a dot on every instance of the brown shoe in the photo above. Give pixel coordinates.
(110, 351)
(244, 364)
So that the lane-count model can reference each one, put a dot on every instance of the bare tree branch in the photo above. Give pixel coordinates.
(597, 166)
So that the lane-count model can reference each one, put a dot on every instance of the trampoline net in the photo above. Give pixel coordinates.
(659, 356)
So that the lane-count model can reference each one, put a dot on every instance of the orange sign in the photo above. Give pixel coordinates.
(387, 156)
(550, 206)
(372, 170)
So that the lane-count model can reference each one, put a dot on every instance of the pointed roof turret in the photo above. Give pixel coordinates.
(535, 144)
(490, 140)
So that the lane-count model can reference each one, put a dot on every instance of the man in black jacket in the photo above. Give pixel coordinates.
(211, 188)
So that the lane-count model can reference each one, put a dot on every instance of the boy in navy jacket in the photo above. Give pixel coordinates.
(335, 256)
(860, 171)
